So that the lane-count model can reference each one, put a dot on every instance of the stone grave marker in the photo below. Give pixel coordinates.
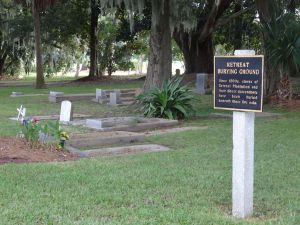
(201, 80)
(115, 97)
(54, 94)
(101, 96)
(66, 112)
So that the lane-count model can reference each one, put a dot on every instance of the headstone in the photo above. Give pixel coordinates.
(21, 113)
(101, 96)
(115, 97)
(93, 123)
(201, 81)
(54, 94)
(66, 112)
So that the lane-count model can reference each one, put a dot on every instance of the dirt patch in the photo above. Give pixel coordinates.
(17, 150)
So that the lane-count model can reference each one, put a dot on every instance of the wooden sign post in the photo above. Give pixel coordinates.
(239, 87)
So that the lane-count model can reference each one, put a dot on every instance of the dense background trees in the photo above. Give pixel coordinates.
(106, 35)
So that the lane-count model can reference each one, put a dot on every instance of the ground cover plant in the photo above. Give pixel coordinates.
(191, 184)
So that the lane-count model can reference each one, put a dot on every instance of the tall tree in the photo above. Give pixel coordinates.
(15, 38)
(95, 12)
(160, 57)
(37, 7)
(196, 43)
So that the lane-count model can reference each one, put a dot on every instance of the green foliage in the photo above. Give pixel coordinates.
(16, 46)
(49, 132)
(114, 53)
(283, 43)
(31, 130)
(241, 32)
(172, 101)
(65, 31)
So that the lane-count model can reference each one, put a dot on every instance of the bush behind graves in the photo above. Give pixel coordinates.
(172, 101)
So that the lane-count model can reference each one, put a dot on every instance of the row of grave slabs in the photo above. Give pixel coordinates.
(104, 136)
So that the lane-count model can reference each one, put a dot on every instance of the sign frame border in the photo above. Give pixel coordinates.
(262, 85)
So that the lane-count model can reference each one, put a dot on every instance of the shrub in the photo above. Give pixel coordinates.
(172, 101)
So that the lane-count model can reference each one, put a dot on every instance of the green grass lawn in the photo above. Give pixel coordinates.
(191, 184)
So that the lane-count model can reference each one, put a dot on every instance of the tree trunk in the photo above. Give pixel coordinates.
(238, 26)
(198, 56)
(78, 68)
(197, 45)
(40, 82)
(2, 62)
(94, 72)
(1, 68)
(160, 56)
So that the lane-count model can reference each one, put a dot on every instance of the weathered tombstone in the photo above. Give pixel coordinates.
(101, 96)
(201, 83)
(54, 94)
(115, 97)
(66, 112)
(21, 113)
(238, 87)
(93, 123)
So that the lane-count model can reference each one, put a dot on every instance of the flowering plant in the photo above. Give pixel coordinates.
(45, 133)
(30, 130)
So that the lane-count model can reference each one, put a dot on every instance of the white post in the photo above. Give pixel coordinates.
(243, 158)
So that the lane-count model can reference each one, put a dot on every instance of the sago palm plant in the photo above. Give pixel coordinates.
(172, 101)
(283, 48)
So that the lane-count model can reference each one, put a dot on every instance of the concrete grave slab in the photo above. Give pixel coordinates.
(26, 95)
(96, 139)
(71, 97)
(127, 123)
(92, 123)
(173, 130)
(16, 94)
(119, 150)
